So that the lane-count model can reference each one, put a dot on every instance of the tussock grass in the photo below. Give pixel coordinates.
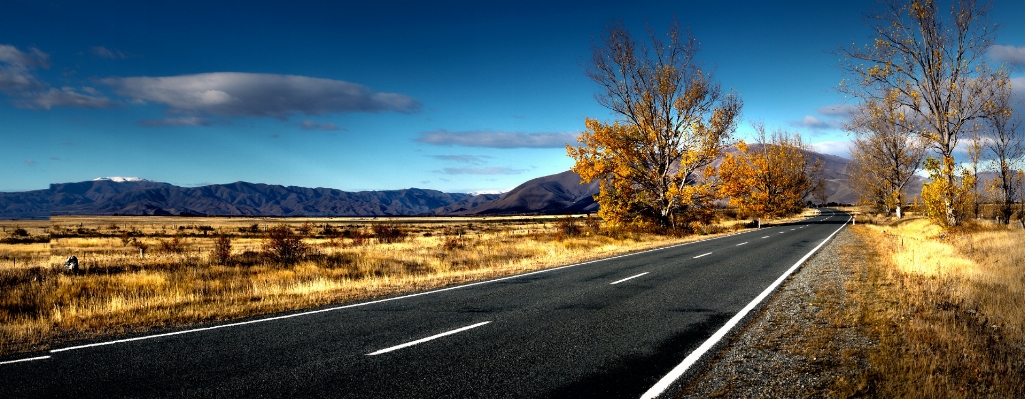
(946, 309)
(119, 289)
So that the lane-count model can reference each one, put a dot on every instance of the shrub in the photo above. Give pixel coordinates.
(329, 231)
(175, 245)
(284, 245)
(387, 234)
(566, 227)
(222, 249)
(19, 232)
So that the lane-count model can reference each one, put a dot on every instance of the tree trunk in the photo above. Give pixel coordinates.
(898, 212)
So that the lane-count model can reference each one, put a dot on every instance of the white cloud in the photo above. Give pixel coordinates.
(1011, 55)
(814, 123)
(840, 148)
(19, 82)
(103, 52)
(30, 162)
(233, 94)
(498, 139)
(482, 171)
(311, 125)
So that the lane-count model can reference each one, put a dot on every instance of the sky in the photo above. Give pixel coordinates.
(457, 96)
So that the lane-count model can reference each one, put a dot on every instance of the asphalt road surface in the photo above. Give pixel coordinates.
(611, 329)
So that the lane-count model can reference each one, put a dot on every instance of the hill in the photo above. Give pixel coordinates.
(560, 193)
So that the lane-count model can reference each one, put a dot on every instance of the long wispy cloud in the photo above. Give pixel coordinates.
(1010, 55)
(497, 139)
(311, 125)
(103, 52)
(182, 121)
(19, 82)
(237, 94)
(813, 123)
(470, 159)
(482, 171)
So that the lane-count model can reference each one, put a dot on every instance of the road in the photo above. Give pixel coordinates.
(611, 328)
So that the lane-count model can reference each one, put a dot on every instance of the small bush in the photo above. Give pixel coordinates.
(19, 232)
(284, 246)
(175, 245)
(565, 228)
(222, 249)
(329, 231)
(305, 229)
(388, 234)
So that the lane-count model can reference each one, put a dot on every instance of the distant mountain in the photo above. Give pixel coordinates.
(144, 197)
(25, 205)
(560, 193)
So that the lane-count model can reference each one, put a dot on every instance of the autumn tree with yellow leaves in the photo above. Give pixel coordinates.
(885, 153)
(935, 63)
(772, 177)
(673, 122)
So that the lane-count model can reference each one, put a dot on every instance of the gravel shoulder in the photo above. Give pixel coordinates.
(794, 347)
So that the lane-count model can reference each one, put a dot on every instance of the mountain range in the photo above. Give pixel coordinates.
(560, 193)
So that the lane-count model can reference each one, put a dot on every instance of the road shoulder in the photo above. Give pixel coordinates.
(791, 348)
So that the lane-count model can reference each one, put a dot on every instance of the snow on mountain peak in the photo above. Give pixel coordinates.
(119, 179)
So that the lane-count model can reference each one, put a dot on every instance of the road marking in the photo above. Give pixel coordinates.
(792, 229)
(742, 243)
(766, 237)
(420, 341)
(693, 357)
(620, 281)
(702, 255)
(782, 232)
(25, 360)
(355, 305)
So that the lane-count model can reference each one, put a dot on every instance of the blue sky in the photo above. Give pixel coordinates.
(454, 96)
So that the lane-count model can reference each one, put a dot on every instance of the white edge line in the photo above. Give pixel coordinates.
(693, 357)
(422, 340)
(331, 309)
(620, 281)
(25, 360)
(702, 255)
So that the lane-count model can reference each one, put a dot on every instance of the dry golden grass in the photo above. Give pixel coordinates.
(946, 308)
(118, 289)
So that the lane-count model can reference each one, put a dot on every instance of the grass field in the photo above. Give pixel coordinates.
(945, 309)
(142, 273)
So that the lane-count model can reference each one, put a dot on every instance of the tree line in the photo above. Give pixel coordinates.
(922, 88)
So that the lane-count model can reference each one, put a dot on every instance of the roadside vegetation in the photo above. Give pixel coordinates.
(142, 273)
(944, 309)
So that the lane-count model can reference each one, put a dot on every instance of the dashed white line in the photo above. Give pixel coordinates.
(420, 341)
(766, 237)
(702, 255)
(782, 232)
(742, 243)
(25, 360)
(620, 281)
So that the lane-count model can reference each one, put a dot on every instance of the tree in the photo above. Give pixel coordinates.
(885, 154)
(674, 122)
(770, 178)
(935, 65)
(1008, 147)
